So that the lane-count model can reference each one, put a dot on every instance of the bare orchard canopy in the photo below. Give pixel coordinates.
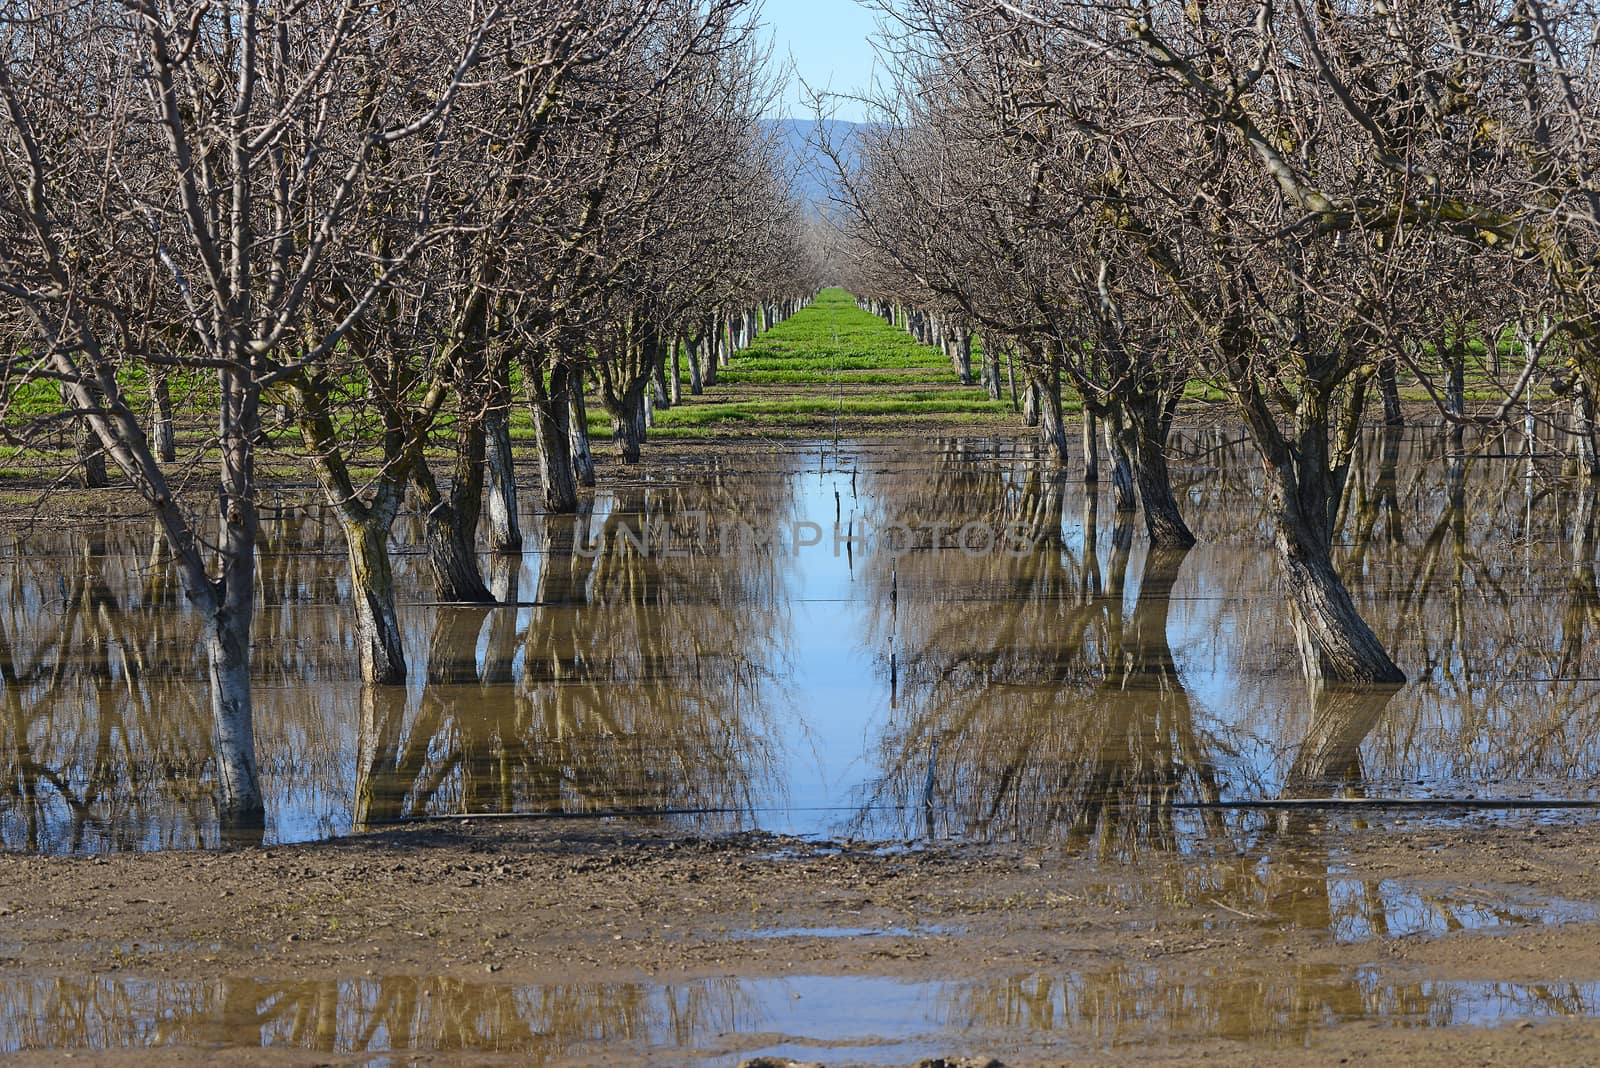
(387, 244)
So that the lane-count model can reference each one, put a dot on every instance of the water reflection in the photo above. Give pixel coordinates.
(1132, 1004)
(643, 679)
(537, 1024)
(93, 750)
(857, 1019)
(1085, 691)
(1055, 706)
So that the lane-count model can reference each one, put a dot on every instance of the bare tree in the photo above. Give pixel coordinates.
(233, 143)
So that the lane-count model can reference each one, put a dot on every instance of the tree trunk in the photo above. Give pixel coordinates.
(677, 371)
(451, 536)
(991, 367)
(1336, 644)
(1011, 377)
(1052, 429)
(696, 380)
(551, 411)
(556, 474)
(961, 342)
(366, 529)
(1305, 482)
(1030, 403)
(382, 655)
(240, 804)
(658, 381)
(1091, 448)
(229, 605)
(1389, 389)
(1163, 520)
(92, 473)
(626, 430)
(1583, 433)
(1122, 491)
(161, 430)
(709, 352)
(505, 536)
(452, 533)
(578, 429)
(1304, 487)
(1456, 400)
(1146, 426)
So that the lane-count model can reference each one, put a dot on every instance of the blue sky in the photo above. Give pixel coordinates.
(828, 41)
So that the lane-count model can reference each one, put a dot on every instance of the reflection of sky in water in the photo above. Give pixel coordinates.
(858, 1020)
(1504, 701)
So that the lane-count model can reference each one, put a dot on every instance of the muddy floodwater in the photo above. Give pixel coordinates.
(849, 1019)
(880, 648)
(891, 641)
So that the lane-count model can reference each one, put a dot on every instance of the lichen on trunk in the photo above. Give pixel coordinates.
(550, 408)
(1304, 484)
(1122, 491)
(505, 535)
(382, 655)
(450, 528)
(1144, 427)
(1052, 427)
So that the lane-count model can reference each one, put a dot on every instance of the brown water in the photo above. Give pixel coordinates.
(841, 1020)
(680, 648)
(847, 1020)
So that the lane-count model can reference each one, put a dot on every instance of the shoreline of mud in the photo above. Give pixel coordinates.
(1241, 950)
(1123, 930)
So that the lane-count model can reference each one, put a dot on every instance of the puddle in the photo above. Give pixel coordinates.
(1081, 692)
(761, 933)
(1409, 912)
(1294, 889)
(841, 1020)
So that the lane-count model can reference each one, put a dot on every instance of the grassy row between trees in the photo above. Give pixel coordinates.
(830, 368)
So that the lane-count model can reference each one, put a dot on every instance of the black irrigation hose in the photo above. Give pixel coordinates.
(600, 814)
(1482, 803)
(1488, 804)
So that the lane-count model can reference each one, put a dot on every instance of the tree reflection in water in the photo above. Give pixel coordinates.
(537, 1024)
(1039, 700)
(642, 679)
(636, 678)
(1128, 1004)
(1074, 694)
(1039, 692)
(1101, 1007)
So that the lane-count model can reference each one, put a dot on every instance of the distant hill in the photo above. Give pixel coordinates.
(816, 180)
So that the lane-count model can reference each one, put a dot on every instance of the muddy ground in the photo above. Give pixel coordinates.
(1216, 935)
(1275, 945)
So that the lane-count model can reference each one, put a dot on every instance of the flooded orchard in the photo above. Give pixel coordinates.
(891, 641)
(898, 654)
(541, 533)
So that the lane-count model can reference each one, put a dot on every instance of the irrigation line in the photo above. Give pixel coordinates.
(600, 814)
(1480, 803)
(1474, 803)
